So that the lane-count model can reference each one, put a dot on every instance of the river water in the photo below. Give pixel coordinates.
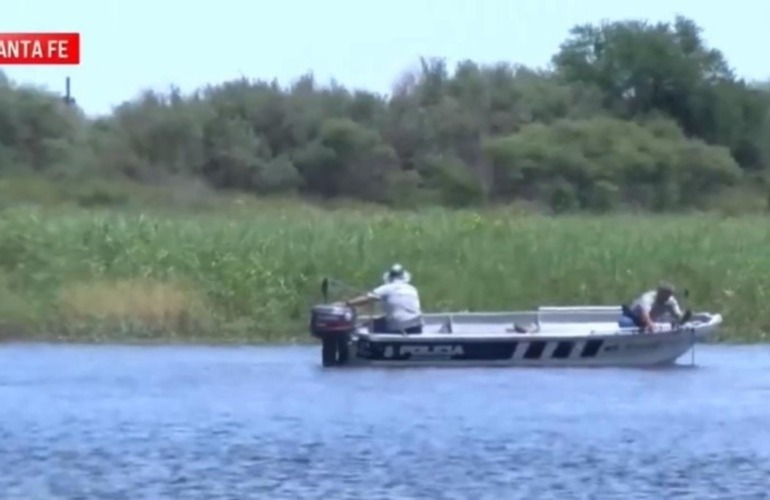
(104, 422)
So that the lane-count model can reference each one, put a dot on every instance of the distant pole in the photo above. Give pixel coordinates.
(68, 100)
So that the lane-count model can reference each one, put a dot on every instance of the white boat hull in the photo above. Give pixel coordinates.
(562, 337)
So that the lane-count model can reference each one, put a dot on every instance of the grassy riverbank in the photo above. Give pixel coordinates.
(251, 275)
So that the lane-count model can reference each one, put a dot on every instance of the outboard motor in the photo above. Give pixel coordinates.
(333, 325)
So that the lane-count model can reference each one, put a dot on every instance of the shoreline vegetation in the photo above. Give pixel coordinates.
(212, 217)
(251, 274)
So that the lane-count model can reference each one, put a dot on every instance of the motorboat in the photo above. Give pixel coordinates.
(549, 336)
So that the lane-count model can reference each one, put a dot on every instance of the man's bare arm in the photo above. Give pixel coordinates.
(361, 300)
(644, 315)
(675, 309)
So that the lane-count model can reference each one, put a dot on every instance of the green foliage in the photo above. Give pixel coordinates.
(643, 68)
(632, 115)
(253, 277)
(601, 160)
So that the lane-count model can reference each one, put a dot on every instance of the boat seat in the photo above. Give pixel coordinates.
(579, 314)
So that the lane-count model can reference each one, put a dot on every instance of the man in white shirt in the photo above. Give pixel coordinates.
(400, 302)
(653, 305)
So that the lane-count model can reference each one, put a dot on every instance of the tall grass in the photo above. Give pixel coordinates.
(251, 277)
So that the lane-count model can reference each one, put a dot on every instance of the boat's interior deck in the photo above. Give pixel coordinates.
(545, 321)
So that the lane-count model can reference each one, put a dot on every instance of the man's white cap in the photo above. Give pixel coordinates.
(396, 273)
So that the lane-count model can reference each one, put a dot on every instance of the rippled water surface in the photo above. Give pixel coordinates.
(201, 422)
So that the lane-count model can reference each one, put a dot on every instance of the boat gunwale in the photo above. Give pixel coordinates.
(699, 329)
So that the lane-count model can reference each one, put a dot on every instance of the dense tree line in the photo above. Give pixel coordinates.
(628, 113)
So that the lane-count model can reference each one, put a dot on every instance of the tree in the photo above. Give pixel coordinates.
(632, 113)
(595, 163)
(643, 68)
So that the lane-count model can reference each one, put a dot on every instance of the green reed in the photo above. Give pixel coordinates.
(252, 276)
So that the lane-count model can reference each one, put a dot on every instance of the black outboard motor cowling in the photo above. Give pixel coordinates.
(331, 319)
(333, 324)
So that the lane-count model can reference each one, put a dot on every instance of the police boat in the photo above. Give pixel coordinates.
(558, 336)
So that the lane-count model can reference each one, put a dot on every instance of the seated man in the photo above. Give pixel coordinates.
(400, 302)
(651, 306)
